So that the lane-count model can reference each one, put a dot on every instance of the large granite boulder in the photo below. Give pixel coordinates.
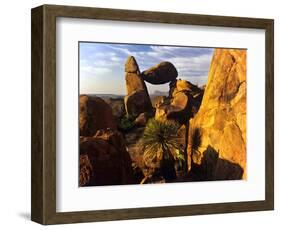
(95, 114)
(161, 73)
(137, 100)
(104, 160)
(186, 86)
(217, 136)
(183, 85)
(177, 108)
(117, 105)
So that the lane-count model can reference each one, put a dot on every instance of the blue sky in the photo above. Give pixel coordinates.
(102, 65)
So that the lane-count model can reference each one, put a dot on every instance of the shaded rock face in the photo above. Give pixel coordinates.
(95, 114)
(142, 119)
(212, 167)
(221, 119)
(117, 105)
(137, 100)
(161, 73)
(104, 160)
(137, 103)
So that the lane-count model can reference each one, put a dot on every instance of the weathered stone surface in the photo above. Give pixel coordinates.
(186, 86)
(131, 65)
(137, 100)
(117, 105)
(162, 73)
(183, 85)
(95, 114)
(177, 108)
(104, 160)
(142, 119)
(221, 118)
(134, 83)
(86, 169)
(137, 103)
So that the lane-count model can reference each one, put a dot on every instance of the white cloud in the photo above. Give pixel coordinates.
(120, 49)
(95, 70)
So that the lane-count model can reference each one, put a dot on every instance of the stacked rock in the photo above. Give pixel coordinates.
(137, 100)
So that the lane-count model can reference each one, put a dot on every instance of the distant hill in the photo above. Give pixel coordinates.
(160, 93)
(106, 96)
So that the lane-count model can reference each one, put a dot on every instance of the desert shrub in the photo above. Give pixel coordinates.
(126, 123)
(160, 144)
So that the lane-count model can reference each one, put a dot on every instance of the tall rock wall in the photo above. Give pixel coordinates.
(217, 136)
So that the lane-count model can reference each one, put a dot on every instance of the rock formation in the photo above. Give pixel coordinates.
(142, 119)
(95, 114)
(187, 87)
(104, 160)
(217, 137)
(183, 85)
(137, 100)
(137, 103)
(176, 108)
(117, 105)
(182, 103)
(161, 73)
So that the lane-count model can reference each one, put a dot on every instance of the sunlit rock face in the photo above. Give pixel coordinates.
(137, 100)
(217, 136)
(183, 102)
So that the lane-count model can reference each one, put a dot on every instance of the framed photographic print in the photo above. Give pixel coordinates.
(141, 114)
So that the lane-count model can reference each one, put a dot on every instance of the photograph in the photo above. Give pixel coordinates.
(172, 113)
(151, 114)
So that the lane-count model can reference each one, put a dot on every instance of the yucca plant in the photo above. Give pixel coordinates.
(161, 146)
(195, 143)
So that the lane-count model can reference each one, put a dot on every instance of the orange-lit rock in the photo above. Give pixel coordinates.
(221, 119)
(137, 100)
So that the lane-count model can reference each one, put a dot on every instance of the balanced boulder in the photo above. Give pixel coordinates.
(161, 73)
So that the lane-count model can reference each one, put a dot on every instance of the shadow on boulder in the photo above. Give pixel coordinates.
(212, 167)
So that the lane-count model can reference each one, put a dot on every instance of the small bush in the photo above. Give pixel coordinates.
(126, 123)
